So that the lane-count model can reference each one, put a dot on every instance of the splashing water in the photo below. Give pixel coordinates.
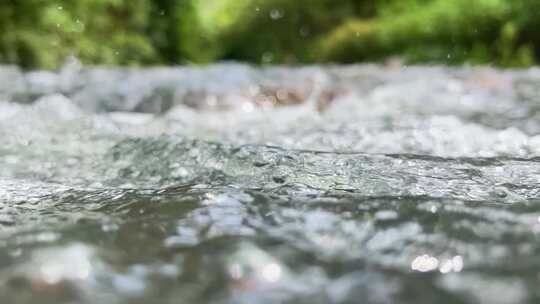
(231, 184)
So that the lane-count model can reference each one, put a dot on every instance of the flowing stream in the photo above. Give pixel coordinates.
(236, 184)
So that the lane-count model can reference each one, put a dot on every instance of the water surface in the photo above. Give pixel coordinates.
(234, 184)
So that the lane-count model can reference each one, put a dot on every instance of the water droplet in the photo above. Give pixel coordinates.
(276, 14)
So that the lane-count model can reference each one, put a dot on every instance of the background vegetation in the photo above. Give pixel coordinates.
(42, 33)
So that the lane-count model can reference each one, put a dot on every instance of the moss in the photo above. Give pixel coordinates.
(41, 33)
(438, 31)
(277, 31)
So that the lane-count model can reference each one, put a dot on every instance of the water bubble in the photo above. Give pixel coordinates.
(424, 263)
(181, 241)
(253, 268)
(276, 14)
(71, 263)
(109, 227)
(272, 272)
(454, 264)
(386, 215)
(131, 286)
(236, 272)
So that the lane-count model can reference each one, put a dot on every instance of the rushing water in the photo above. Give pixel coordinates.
(232, 184)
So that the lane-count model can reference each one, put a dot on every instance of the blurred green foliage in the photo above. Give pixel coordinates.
(480, 31)
(42, 33)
